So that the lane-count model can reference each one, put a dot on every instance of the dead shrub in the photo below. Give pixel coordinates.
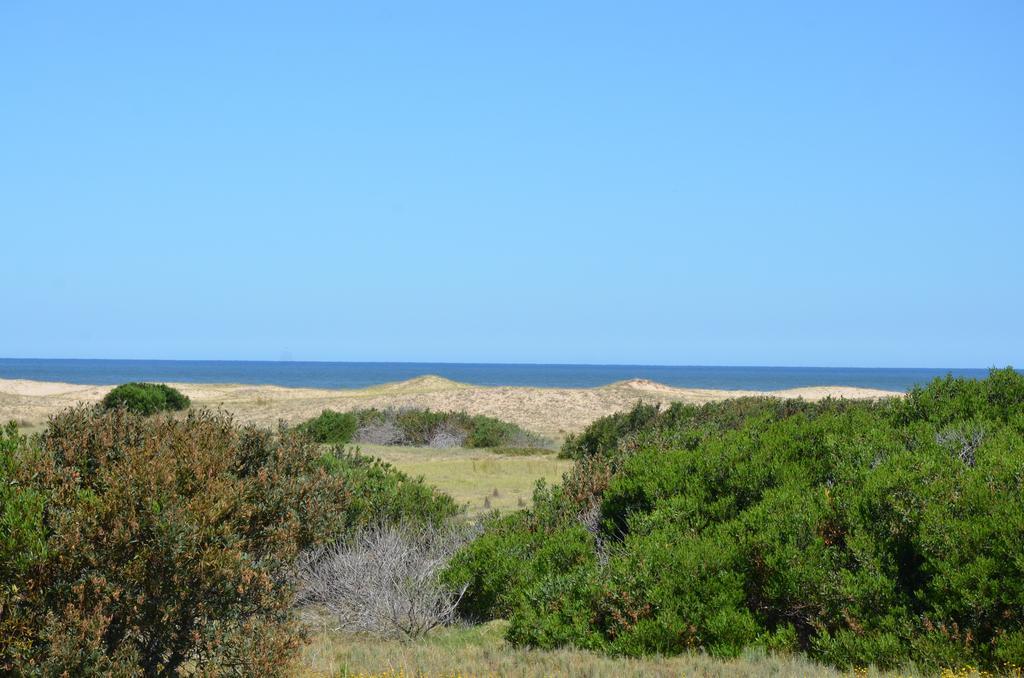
(447, 436)
(384, 581)
(379, 433)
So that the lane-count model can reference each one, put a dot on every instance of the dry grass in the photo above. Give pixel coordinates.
(482, 651)
(480, 479)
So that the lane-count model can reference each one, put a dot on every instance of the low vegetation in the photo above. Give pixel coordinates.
(151, 545)
(481, 650)
(145, 399)
(748, 536)
(336, 428)
(883, 533)
(419, 428)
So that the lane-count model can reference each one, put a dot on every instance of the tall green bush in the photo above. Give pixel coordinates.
(861, 533)
(515, 551)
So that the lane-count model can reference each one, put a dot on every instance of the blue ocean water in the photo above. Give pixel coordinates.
(358, 375)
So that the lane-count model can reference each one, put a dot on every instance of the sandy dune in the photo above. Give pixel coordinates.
(551, 411)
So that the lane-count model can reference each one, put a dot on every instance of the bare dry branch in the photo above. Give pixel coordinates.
(385, 580)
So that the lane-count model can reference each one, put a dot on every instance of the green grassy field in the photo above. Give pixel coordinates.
(480, 479)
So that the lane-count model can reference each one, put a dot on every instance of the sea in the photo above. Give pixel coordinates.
(362, 374)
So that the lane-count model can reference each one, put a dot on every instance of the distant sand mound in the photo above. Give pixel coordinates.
(428, 383)
(642, 385)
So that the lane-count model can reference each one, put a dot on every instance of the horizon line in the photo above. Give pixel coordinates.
(500, 363)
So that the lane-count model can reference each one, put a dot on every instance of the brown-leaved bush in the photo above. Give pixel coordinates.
(169, 543)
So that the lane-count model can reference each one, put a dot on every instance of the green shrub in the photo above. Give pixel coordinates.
(556, 610)
(861, 533)
(514, 552)
(687, 426)
(145, 399)
(381, 493)
(22, 537)
(603, 435)
(167, 543)
(22, 547)
(430, 428)
(948, 400)
(331, 427)
(490, 432)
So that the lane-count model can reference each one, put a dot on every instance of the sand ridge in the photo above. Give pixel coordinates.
(550, 411)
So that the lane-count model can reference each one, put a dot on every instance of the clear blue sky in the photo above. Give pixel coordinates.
(751, 183)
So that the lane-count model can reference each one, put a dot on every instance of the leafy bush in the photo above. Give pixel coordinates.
(515, 551)
(602, 436)
(380, 493)
(22, 546)
(331, 427)
(490, 432)
(134, 545)
(684, 425)
(145, 399)
(857, 532)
